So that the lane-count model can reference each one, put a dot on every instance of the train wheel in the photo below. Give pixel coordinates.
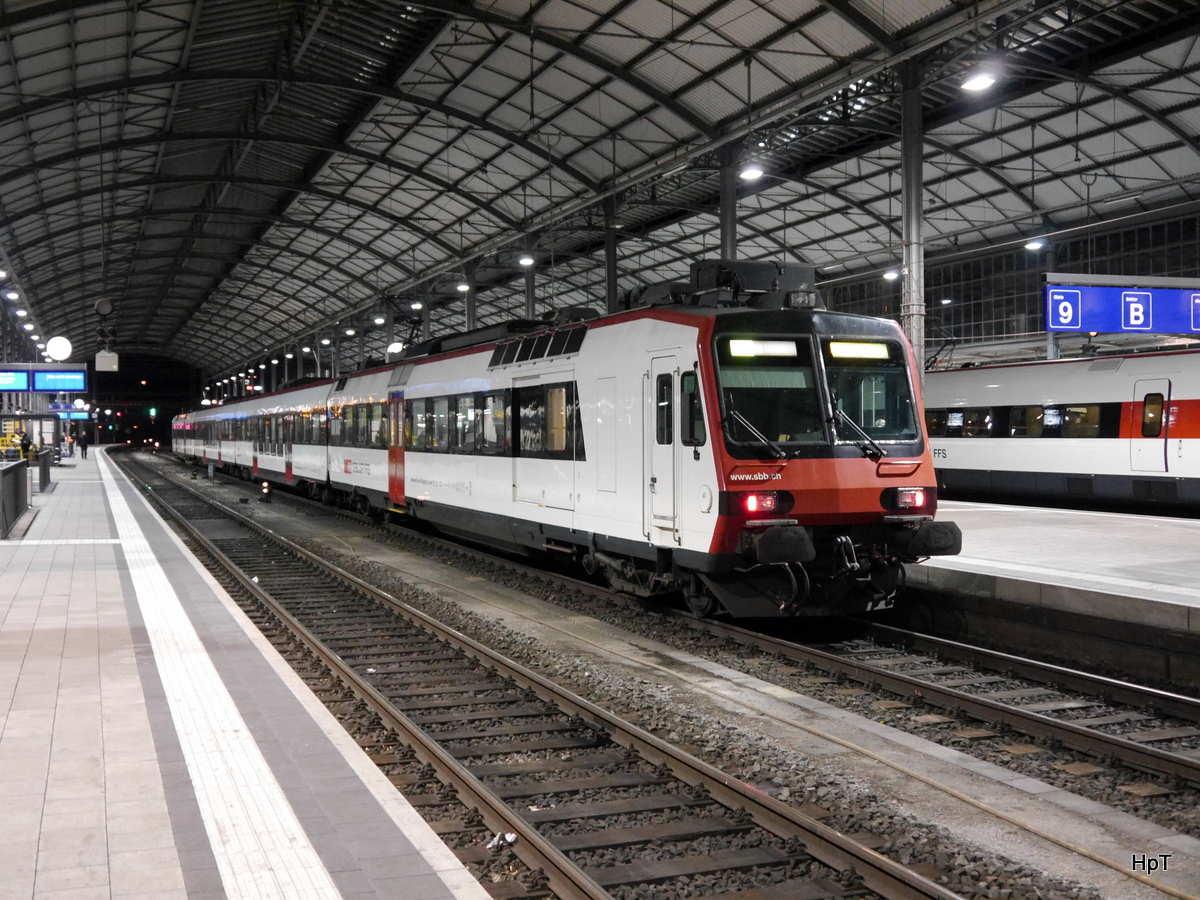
(700, 602)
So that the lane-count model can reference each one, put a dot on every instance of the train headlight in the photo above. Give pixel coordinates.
(914, 498)
(761, 503)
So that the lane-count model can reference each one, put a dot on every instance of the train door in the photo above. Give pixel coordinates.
(395, 439)
(289, 430)
(660, 441)
(1148, 438)
(544, 440)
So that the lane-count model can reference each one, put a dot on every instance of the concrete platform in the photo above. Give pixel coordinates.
(154, 745)
(1123, 567)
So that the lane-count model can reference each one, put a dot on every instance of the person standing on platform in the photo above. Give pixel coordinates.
(26, 446)
(82, 442)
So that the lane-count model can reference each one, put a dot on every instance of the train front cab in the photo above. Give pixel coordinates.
(827, 484)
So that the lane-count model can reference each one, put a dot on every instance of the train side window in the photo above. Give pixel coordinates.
(494, 433)
(510, 352)
(691, 411)
(1152, 415)
(1025, 421)
(556, 419)
(935, 422)
(977, 422)
(540, 345)
(439, 424)
(464, 423)
(380, 432)
(416, 425)
(1081, 421)
(662, 409)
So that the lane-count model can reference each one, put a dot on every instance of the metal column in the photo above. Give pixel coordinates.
(610, 255)
(530, 294)
(912, 304)
(470, 270)
(728, 210)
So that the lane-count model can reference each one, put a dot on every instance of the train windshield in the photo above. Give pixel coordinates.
(868, 383)
(769, 393)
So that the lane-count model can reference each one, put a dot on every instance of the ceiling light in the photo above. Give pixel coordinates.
(262, 365)
(946, 300)
(979, 81)
(1035, 244)
(306, 349)
(379, 320)
(395, 347)
(526, 259)
(463, 287)
(28, 326)
(12, 295)
(752, 170)
(349, 332)
(289, 355)
(891, 275)
(274, 362)
(35, 337)
(22, 312)
(325, 342)
(3, 274)
(416, 304)
(41, 345)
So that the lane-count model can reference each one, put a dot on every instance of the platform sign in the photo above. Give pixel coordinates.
(1122, 309)
(60, 380)
(11, 380)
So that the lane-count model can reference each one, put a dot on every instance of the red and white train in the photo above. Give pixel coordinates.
(1111, 428)
(728, 442)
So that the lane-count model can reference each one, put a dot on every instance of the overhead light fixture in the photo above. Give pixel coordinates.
(463, 287)
(395, 347)
(3, 273)
(526, 259)
(22, 313)
(275, 362)
(291, 355)
(417, 304)
(262, 365)
(12, 295)
(41, 345)
(891, 275)
(751, 170)
(349, 332)
(946, 300)
(35, 337)
(979, 80)
(28, 326)
(379, 320)
(306, 349)
(325, 342)
(1035, 244)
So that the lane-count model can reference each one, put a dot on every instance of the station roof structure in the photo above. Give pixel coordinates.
(240, 176)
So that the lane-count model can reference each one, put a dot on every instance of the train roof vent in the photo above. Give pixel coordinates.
(543, 345)
(1111, 364)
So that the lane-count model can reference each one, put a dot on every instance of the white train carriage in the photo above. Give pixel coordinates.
(762, 459)
(1119, 428)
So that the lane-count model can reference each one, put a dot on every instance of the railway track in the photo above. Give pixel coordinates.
(497, 755)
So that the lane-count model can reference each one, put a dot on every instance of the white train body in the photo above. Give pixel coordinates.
(613, 442)
(1110, 428)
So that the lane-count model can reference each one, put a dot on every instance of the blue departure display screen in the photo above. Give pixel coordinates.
(13, 381)
(1122, 309)
(60, 380)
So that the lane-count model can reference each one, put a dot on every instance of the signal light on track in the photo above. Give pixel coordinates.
(266, 492)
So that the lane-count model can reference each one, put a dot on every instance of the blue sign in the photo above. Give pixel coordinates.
(13, 381)
(59, 380)
(74, 414)
(1117, 309)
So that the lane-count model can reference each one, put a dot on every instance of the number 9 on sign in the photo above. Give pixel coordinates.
(1064, 309)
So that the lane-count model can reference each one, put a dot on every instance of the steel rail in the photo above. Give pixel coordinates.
(877, 872)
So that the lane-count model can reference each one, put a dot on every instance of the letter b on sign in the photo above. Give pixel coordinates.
(1135, 310)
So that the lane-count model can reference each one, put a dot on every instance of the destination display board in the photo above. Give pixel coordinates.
(60, 379)
(11, 380)
(1098, 308)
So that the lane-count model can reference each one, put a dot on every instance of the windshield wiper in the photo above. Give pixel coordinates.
(775, 448)
(870, 448)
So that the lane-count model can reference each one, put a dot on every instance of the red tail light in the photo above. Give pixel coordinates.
(760, 503)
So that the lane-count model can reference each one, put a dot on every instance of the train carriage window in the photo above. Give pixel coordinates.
(574, 339)
(540, 345)
(380, 431)
(1152, 415)
(497, 355)
(556, 418)
(494, 425)
(526, 350)
(1025, 421)
(335, 426)
(439, 425)
(531, 418)
(935, 422)
(977, 422)
(691, 411)
(559, 344)
(416, 425)
(1081, 421)
(662, 410)
(464, 423)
